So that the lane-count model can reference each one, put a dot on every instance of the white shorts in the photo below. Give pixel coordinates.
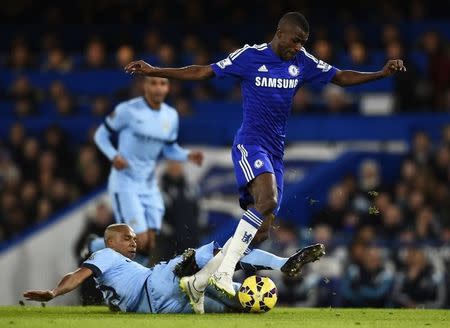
(141, 212)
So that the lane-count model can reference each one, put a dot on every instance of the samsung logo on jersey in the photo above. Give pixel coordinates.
(271, 82)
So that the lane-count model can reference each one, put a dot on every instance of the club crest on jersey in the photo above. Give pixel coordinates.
(258, 164)
(293, 70)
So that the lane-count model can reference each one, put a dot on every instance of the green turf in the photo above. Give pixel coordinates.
(95, 317)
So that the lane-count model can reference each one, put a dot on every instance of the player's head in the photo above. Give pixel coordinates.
(121, 238)
(156, 89)
(291, 35)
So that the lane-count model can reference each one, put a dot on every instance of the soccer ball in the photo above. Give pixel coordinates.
(258, 294)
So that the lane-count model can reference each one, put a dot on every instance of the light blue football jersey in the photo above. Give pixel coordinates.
(144, 135)
(121, 280)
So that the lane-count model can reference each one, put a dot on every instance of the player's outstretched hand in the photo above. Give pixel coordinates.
(119, 163)
(139, 67)
(196, 157)
(39, 295)
(393, 66)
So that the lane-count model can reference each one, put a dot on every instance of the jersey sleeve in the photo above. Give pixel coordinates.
(317, 71)
(100, 261)
(235, 65)
(118, 119)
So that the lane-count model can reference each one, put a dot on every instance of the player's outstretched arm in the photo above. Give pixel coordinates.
(194, 72)
(346, 78)
(68, 283)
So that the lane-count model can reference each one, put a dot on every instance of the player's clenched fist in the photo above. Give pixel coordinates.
(394, 65)
(139, 67)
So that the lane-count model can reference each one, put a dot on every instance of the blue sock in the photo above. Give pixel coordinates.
(96, 245)
(258, 259)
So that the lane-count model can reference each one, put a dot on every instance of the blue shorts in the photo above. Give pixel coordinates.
(249, 162)
(140, 212)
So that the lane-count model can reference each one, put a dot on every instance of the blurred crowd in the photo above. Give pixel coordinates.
(40, 175)
(153, 33)
(387, 242)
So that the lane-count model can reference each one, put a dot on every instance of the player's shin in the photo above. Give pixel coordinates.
(205, 273)
(245, 231)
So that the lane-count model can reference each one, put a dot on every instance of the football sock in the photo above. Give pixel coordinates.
(205, 273)
(258, 259)
(247, 228)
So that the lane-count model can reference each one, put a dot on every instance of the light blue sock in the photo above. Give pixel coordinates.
(258, 259)
(96, 245)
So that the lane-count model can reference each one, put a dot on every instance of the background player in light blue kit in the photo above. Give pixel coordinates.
(270, 75)
(130, 287)
(147, 129)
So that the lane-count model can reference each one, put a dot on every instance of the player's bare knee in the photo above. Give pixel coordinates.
(267, 206)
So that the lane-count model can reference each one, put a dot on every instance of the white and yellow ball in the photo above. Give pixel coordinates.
(258, 294)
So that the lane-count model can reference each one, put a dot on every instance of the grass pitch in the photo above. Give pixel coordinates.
(96, 317)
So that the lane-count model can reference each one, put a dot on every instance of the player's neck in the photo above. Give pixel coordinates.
(275, 48)
(152, 104)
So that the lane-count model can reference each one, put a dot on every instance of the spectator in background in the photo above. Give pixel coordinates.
(56, 90)
(409, 88)
(56, 141)
(390, 34)
(152, 41)
(95, 224)
(95, 56)
(302, 102)
(65, 105)
(419, 284)
(56, 61)
(28, 199)
(427, 227)
(124, 55)
(181, 220)
(101, 106)
(336, 100)
(392, 224)
(24, 108)
(16, 139)
(166, 55)
(30, 157)
(359, 58)
(438, 66)
(20, 57)
(335, 210)
(44, 209)
(323, 50)
(421, 150)
(22, 88)
(369, 283)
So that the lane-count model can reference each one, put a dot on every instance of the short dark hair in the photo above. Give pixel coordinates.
(294, 17)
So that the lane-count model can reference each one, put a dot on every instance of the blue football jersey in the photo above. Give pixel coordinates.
(120, 279)
(268, 85)
(144, 135)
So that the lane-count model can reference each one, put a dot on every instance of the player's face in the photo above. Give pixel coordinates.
(291, 40)
(124, 242)
(156, 89)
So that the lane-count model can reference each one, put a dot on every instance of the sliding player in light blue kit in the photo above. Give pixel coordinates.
(147, 129)
(270, 75)
(130, 287)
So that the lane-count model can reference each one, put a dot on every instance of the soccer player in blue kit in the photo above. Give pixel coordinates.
(270, 74)
(147, 129)
(130, 287)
